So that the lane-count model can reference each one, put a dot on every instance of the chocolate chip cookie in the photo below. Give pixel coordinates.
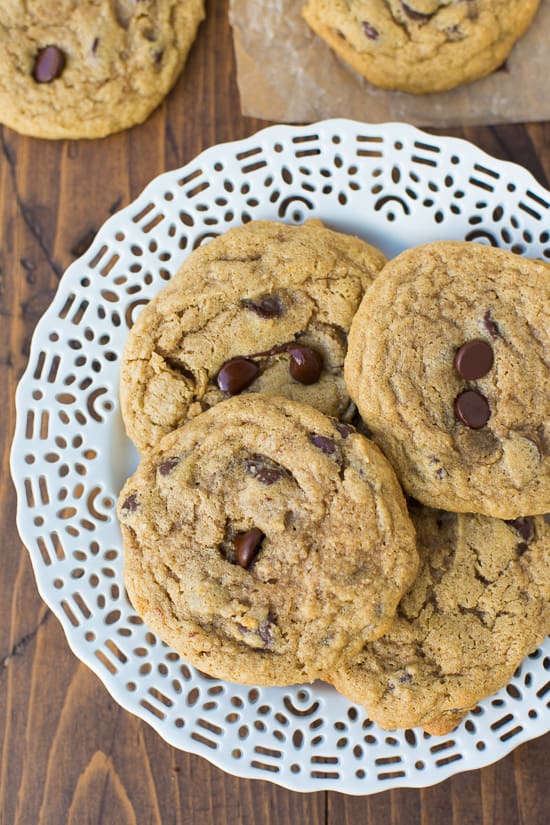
(421, 46)
(264, 308)
(86, 68)
(449, 364)
(264, 541)
(479, 605)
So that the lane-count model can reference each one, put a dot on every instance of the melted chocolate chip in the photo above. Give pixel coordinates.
(370, 31)
(525, 528)
(472, 408)
(305, 365)
(247, 546)
(166, 467)
(326, 445)
(131, 503)
(412, 14)
(474, 359)
(490, 325)
(236, 375)
(264, 470)
(264, 631)
(48, 64)
(268, 306)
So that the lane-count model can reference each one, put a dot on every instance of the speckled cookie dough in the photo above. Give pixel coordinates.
(422, 45)
(86, 68)
(265, 541)
(449, 364)
(479, 605)
(264, 308)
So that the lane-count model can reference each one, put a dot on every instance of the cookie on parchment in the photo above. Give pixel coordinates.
(449, 365)
(86, 68)
(265, 541)
(480, 603)
(263, 308)
(421, 46)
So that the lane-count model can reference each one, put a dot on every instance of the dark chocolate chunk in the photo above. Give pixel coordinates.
(48, 64)
(247, 546)
(472, 408)
(525, 528)
(370, 31)
(490, 325)
(412, 14)
(268, 306)
(305, 365)
(166, 467)
(474, 359)
(326, 445)
(236, 375)
(344, 429)
(264, 631)
(131, 503)
(264, 470)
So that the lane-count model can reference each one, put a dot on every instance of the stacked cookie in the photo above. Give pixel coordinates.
(268, 541)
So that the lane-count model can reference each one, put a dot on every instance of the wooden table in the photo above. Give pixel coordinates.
(70, 754)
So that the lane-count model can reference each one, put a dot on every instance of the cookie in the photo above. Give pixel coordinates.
(88, 68)
(449, 364)
(264, 308)
(479, 605)
(421, 46)
(264, 541)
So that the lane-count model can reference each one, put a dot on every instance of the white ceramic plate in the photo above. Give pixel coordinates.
(396, 187)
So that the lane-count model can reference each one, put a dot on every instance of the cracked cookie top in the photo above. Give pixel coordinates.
(480, 603)
(264, 308)
(421, 46)
(86, 68)
(265, 541)
(449, 365)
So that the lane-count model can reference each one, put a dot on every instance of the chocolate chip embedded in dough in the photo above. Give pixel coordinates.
(370, 31)
(345, 430)
(472, 408)
(326, 445)
(166, 467)
(48, 64)
(305, 365)
(131, 503)
(490, 325)
(267, 306)
(525, 528)
(412, 14)
(236, 375)
(264, 470)
(247, 546)
(474, 359)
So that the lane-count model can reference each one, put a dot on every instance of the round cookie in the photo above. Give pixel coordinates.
(480, 603)
(263, 308)
(85, 69)
(264, 541)
(449, 364)
(421, 46)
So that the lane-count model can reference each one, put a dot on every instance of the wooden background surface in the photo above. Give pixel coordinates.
(69, 753)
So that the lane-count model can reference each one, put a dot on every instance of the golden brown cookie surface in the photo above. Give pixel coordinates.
(421, 46)
(264, 541)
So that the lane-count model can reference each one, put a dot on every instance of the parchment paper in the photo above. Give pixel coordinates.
(288, 74)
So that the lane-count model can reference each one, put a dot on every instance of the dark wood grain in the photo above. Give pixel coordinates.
(68, 752)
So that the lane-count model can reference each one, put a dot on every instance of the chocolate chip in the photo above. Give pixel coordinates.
(305, 365)
(490, 325)
(472, 409)
(474, 359)
(236, 375)
(405, 678)
(268, 306)
(166, 467)
(326, 445)
(247, 546)
(412, 14)
(131, 503)
(369, 30)
(344, 429)
(95, 44)
(264, 470)
(525, 528)
(48, 64)
(264, 631)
